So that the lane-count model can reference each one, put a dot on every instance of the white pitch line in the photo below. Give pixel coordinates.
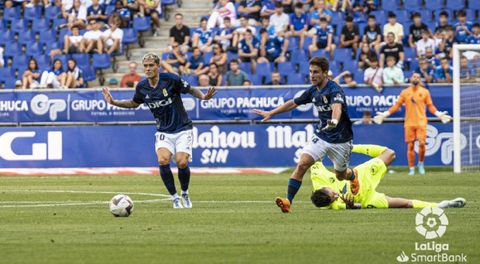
(89, 192)
(72, 204)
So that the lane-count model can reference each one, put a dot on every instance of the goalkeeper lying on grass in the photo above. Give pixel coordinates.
(329, 193)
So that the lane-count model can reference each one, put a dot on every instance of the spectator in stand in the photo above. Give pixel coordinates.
(370, 5)
(272, 48)
(374, 74)
(318, 12)
(2, 62)
(444, 72)
(112, 37)
(73, 77)
(112, 83)
(179, 34)
(287, 6)
(75, 16)
(72, 43)
(394, 49)
(202, 37)
(195, 64)
(442, 23)
(393, 27)
(299, 24)
(424, 43)
(267, 26)
(276, 79)
(366, 119)
(323, 38)
(392, 74)
(268, 8)
(96, 12)
(212, 78)
(365, 54)
(203, 80)
(425, 70)
(124, 13)
(251, 9)
(474, 38)
(432, 60)
(235, 77)
(239, 33)
(350, 36)
(279, 20)
(176, 59)
(372, 34)
(222, 10)
(467, 73)
(91, 38)
(31, 76)
(152, 9)
(225, 36)
(248, 50)
(131, 78)
(463, 28)
(247, 83)
(448, 41)
(18, 84)
(134, 7)
(416, 30)
(219, 58)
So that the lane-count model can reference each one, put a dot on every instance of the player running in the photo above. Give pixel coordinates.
(161, 93)
(415, 99)
(329, 193)
(333, 136)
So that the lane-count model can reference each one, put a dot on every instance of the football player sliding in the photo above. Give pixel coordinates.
(329, 193)
(333, 136)
(162, 94)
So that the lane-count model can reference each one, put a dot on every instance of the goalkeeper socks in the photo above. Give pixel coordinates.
(369, 150)
(421, 152)
(184, 177)
(421, 204)
(167, 178)
(293, 186)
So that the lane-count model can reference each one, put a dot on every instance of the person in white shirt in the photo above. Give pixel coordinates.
(374, 74)
(91, 37)
(223, 9)
(2, 62)
(112, 37)
(72, 43)
(392, 74)
(76, 15)
(239, 33)
(394, 27)
(424, 43)
(279, 20)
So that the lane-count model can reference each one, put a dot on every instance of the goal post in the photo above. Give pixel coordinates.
(459, 107)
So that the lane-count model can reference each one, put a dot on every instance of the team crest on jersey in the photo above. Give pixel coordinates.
(338, 98)
(165, 93)
(325, 100)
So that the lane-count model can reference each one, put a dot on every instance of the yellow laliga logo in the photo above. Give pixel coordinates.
(165, 93)
(325, 100)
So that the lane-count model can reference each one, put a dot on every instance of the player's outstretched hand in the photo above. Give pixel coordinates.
(106, 94)
(265, 114)
(444, 116)
(348, 199)
(210, 93)
(378, 119)
(331, 123)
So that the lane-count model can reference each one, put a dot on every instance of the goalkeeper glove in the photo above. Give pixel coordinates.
(331, 123)
(444, 117)
(378, 119)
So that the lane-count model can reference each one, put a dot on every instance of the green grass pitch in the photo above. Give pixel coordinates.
(234, 220)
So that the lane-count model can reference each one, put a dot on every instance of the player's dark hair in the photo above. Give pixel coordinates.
(444, 13)
(320, 198)
(349, 19)
(299, 5)
(416, 14)
(323, 19)
(372, 17)
(461, 13)
(391, 15)
(321, 62)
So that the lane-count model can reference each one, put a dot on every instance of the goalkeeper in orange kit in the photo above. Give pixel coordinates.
(415, 98)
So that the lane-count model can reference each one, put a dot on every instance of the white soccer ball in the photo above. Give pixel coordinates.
(121, 205)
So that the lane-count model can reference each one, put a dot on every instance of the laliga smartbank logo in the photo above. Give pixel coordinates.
(431, 223)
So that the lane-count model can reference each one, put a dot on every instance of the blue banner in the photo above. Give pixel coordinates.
(89, 105)
(264, 145)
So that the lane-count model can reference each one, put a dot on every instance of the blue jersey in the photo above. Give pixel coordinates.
(460, 33)
(245, 48)
(322, 34)
(165, 102)
(195, 62)
(440, 73)
(274, 46)
(332, 93)
(473, 39)
(298, 23)
(204, 36)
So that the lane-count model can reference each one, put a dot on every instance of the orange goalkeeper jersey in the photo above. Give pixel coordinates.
(415, 99)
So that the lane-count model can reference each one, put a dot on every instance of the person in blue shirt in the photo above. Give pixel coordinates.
(202, 37)
(463, 28)
(474, 38)
(321, 11)
(96, 12)
(161, 92)
(248, 49)
(195, 64)
(323, 38)
(467, 73)
(299, 24)
(425, 70)
(444, 72)
(333, 134)
(272, 48)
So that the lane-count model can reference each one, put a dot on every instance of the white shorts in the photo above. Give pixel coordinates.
(339, 153)
(178, 142)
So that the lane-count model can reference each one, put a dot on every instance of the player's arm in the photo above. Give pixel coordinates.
(120, 103)
(444, 116)
(198, 94)
(336, 104)
(348, 199)
(382, 115)
(288, 106)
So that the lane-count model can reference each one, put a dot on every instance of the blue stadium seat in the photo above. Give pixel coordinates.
(410, 53)
(470, 15)
(58, 22)
(191, 79)
(410, 5)
(168, 2)
(342, 55)
(434, 4)
(30, 13)
(232, 55)
(299, 56)
(426, 15)
(457, 4)
(358, 76)
(336, 17)
(285, 68)
(40, 24)
(256, 79)
(20, 61)
(319, 53)
(304, 69)
(141, 24)
(52, 12)
(474, 5)
(6, 37)
(165, 55)
(34, 49)
(292, 43)
(129, 36)
(18, 25)
(351, 66)
(109, 9)
(47, 36)
(295, 78)
(307, 42)
(246, 67)
(25, 37)
(380, 15)
(101, 61)
(402, 16)
(82, 59)
(43, 61)
(88, 73)
(9, 83)
(207, 56)
(11, 13)
(264, 69)
(12, 49)
(6, 73)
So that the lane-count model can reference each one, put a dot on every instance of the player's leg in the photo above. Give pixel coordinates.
(165, 149)
(421, 134)
(183, 146)
(410, 140)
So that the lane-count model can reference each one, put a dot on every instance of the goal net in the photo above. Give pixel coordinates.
(466, 108)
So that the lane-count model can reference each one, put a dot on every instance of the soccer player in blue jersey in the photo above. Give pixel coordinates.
(323, 38)
(162, 94)
(333, 136)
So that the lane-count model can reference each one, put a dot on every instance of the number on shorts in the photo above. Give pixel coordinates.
(315, 140)
(161, 137)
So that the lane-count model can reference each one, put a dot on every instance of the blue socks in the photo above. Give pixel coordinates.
(167, 178)
(184, 177)
(293, 186)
